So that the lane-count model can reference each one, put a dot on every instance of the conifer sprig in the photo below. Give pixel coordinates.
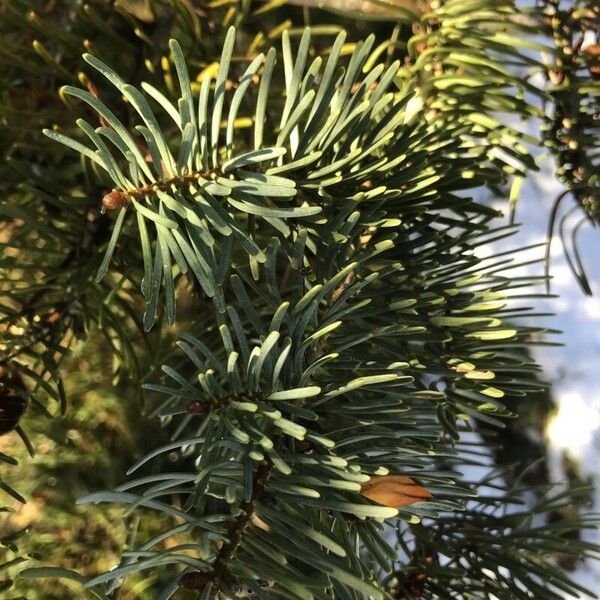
(351, 332)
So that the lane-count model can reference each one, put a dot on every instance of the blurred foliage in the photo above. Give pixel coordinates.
(89, 448)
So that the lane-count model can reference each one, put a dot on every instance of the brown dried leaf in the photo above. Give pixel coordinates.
(394, 491)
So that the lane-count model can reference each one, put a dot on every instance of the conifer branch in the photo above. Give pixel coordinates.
(347, 332)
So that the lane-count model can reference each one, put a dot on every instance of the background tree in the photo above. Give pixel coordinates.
(294, 205)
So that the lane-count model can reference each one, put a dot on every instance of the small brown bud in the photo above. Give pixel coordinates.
(52, 316)
(12, 406)
(197, 408)
(114, 200)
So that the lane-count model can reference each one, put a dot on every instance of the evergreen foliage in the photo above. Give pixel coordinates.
(314, 201)
(572, 133)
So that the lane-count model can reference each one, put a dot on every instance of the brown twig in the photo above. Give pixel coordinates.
(117, 199)
(235, 534)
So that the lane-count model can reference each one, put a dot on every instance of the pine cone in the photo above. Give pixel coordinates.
(12, 405)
